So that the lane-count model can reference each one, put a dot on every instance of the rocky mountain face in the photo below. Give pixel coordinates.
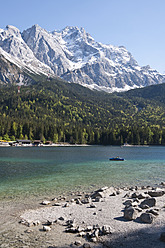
(75, 56)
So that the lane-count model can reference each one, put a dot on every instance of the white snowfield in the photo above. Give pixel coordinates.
(75, 56)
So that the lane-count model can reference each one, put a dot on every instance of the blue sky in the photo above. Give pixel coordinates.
(139, 25)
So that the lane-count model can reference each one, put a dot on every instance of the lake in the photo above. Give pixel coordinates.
(39, 171)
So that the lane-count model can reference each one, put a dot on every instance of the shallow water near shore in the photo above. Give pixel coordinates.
(42, 171)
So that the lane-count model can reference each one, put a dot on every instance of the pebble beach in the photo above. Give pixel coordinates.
(107, 217)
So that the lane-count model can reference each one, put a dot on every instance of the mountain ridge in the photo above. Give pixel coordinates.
(75, 56)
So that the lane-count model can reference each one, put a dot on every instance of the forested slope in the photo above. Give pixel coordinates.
(63, 112)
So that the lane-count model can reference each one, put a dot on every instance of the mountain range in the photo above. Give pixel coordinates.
(73, 55)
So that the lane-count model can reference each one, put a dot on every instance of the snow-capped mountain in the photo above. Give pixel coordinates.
(75, 56)
(18, 51)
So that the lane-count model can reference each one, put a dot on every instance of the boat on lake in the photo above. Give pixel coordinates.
(116, 159)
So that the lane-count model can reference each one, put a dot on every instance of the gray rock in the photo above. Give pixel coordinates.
(143, 187)
(45, 202)
(57, 204)
(61, 218)
(127, 195)
(71, 230)
(130, 213)
(92, 205)
(49, 222)
(153, 211)
(70, 222)
(46, 228)
(88, 235)
(30, 224)
(59, 222)
(89, 228)
(138, 209)
(78, 201)
(77, 242)
(135, 195)
(106, 230)
(95, 234)
(156, 193)
(128, 203)
(131, 188)
(86, 200)
(113, 194)
(98, 195)
(151, 202)
(97, 226)
(94, 239)
(66, 205)
(147, 218)
(103, 192)
(97, 199)
(103, 189)
(82, 234)
(138, 195)
(80, 229)
(27, 223)
(54, 199)
(144, 206)
(141, 196)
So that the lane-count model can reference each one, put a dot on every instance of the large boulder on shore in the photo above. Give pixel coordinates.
(130, 213)
(151, 202)
(103, 192)
(156, 193)
(147, 218)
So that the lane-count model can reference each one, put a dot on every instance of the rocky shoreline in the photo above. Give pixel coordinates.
(108, 217)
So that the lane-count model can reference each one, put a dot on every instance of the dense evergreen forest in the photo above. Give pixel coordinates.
(63, 112)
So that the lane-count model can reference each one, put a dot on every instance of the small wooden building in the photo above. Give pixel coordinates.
(48, 143)
(24, 142)
(37, 143)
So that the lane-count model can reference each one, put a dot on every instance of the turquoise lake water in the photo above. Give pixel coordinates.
(34, 171)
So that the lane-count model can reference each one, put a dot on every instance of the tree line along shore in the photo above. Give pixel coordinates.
(58, 112)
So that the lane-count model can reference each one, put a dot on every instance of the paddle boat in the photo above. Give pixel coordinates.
(116, 159)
